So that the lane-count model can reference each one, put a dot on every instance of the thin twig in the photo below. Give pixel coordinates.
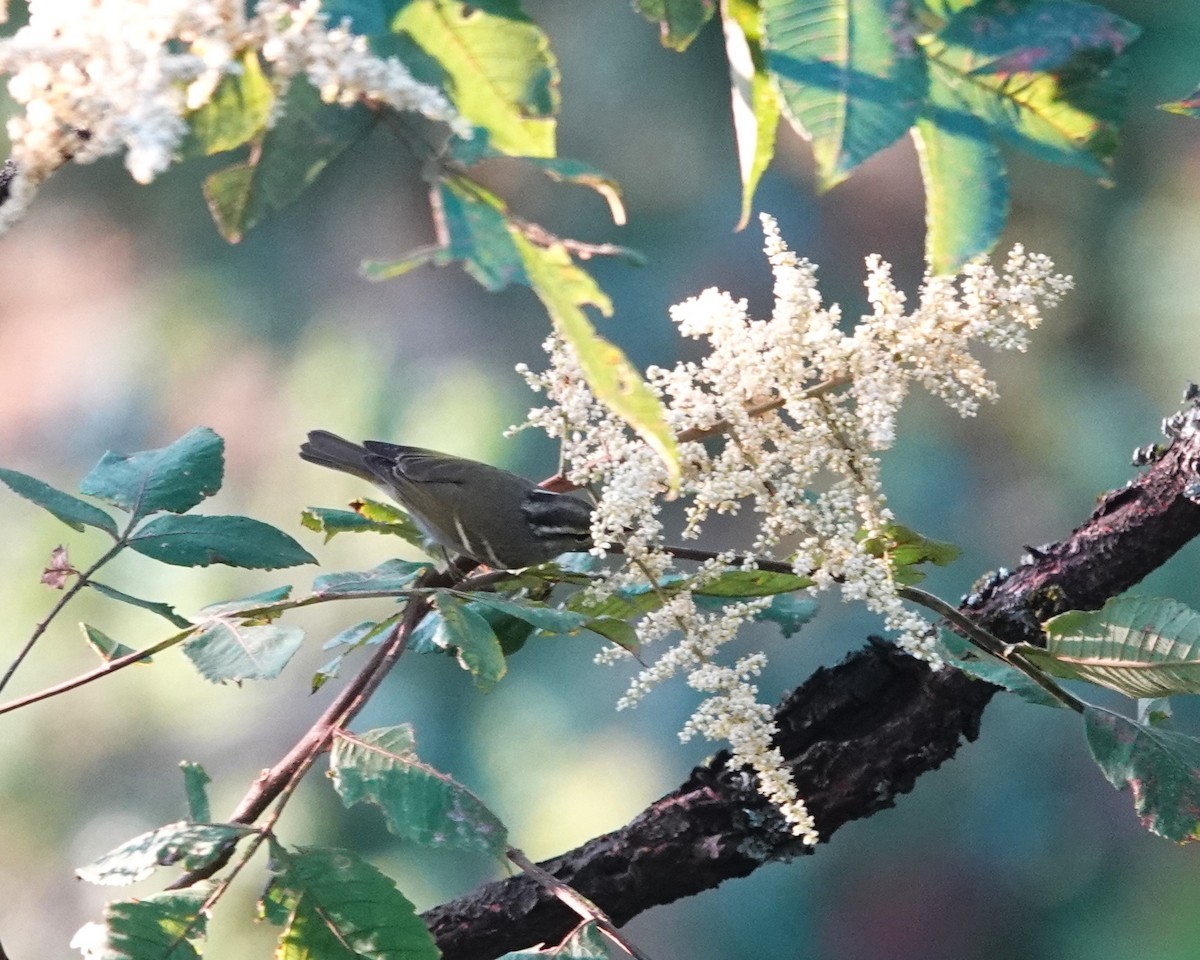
(575, 900)
(82, 581)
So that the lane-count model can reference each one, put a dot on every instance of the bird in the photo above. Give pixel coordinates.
(488, 514)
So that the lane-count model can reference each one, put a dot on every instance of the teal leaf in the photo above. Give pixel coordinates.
(1160, 767)
(197, 541)
(163, 926)
(238, 111)
(104, 645)
(970, 660)
(333, 905)
(422, 805)
(195, 785)
(72, 511)
(470, 636)
(164, 610)
(391, 576)
(173, 478)
(186, 844)
(258, 603)
(225, 650)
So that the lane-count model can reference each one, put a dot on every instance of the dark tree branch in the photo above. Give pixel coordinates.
(856, 736)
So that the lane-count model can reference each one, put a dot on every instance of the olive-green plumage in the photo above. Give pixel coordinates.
(472, 508)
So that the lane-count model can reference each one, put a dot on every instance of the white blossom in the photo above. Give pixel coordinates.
(99, 78)
(784, 418)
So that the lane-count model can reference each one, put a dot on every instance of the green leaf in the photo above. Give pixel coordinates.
(679, 21)
(536, 614)
(195, 785)
(586, 942)
(258, 603)
(1054, 86)
(1161, 768)
(158, 927)
(389, 576)
(187, 844)
(498, 68)
(966, 188)
(564, 290)
(470, 636)
(237, 112)
(72, 511)
(616, 631)
(164, 610)
(335, 906)
(197, 541)
(969, 659)
(751, 583)
(1138, 646)
(369, 515)
(849, 80)
(308, 135)
(1188, 107)
(422, 805)
(108, 648)
(226, 650)
(173, 478)
(627, 603)
(904, 549)
(756, 107)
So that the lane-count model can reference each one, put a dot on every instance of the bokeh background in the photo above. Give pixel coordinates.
(125, 320)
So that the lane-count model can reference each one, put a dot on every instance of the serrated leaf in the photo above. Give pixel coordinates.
(756, 108)
(470, 636)
(237, 112)
(164, 610)
(173, 478)
(195, 785)
(1161, 768)
(848, 79)
(336, 906)
(1138, 646)
(225, 650)
(200, 540)
(564, 289)
(391, 575)
(308, 135)
(1058, 93)
(498, 68)
(256, 603)
(72, 511)
(104, 645)
(536, 614)
(159, 927)
(190, 845)
(960, 653)
(679, 21)
(420, 804)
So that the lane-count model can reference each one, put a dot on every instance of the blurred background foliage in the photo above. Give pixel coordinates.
(125, 320)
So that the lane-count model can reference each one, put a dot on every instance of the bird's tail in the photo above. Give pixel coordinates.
(330, 450)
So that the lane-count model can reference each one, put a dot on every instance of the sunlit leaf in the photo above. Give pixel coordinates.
(187, 844)
(333, 905)
(756, 108)
(422, 805)
(237, 112)
(163, 926)
(678, 20)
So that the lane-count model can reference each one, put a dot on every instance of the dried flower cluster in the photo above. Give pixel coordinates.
(98, 78)
(785, 417)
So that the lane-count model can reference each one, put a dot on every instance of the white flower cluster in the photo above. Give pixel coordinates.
(784, 416)
(96, 78)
